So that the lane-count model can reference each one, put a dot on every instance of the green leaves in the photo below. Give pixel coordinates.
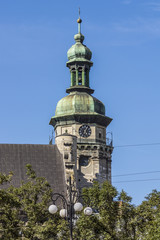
(148, 217)
(5, 178)
(24, 212)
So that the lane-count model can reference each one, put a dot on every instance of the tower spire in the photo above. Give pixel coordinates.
(79, 63)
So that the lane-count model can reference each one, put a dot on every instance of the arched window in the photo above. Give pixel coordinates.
(80, 76)
(73, 77)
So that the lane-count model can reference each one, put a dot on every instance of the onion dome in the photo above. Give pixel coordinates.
(79, 103)
(79, 51)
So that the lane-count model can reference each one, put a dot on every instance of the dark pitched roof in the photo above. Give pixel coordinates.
(46, 160)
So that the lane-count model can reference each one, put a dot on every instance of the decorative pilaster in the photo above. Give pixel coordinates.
(83, 77)
(77, 77)
(87, 78)
(72, 78)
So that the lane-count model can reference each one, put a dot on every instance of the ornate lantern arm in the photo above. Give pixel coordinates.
(81, 196)
(69, 203)
(56, 196)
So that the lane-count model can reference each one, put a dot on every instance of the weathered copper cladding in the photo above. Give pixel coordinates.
(79, 104)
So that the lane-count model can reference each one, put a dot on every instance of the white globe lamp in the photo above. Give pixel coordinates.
(63, 213)
(88, 211)
(52, 209)
(78, 207)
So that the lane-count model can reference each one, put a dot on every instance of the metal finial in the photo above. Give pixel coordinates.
(79, 19)
(79, 22)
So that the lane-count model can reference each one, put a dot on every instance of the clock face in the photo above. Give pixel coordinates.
(85, 131)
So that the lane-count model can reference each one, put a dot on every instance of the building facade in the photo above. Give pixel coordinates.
(80, 123)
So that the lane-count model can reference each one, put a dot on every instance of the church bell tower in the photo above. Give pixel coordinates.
(80, 122)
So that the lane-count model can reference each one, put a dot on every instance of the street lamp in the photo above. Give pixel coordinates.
(71, 205)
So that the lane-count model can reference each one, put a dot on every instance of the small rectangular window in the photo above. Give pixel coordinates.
(66, 156)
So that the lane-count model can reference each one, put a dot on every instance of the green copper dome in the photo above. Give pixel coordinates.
(79, 102)
(79, 106)
(79, 50)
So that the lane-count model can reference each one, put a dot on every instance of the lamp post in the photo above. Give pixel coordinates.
(70, 204)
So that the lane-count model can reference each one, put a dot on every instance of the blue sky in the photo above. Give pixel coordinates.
(124, 37)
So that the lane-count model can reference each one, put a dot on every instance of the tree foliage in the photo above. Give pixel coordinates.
(112, 218)
(24, 213)
(148, 217)
(24, 209)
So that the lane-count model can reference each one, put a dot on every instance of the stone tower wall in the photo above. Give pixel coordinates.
(67, 145)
